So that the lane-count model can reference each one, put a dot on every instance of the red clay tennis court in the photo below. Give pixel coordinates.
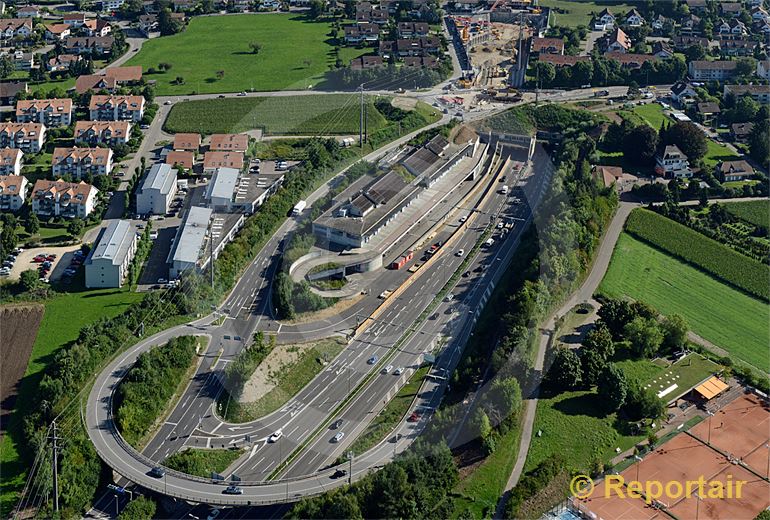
(741, 429)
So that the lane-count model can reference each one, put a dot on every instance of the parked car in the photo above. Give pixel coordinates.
(414, 417)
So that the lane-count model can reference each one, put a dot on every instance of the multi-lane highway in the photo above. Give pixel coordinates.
(312, 407)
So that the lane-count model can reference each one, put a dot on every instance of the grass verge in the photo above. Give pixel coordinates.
(202, 463)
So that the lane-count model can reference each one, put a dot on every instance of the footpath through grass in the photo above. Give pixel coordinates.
(214, 54)
(715, 311)
(289, 380)
(279, 115)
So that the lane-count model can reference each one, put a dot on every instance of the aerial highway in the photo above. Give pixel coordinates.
(299, 420)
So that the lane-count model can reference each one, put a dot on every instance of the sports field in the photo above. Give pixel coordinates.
(277, 115)
(718, 313)
(214, 55)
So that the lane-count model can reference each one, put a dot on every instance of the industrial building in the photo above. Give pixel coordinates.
(232, 192)
(157, 190)
(190, 239)
(108, 262)
(219, 193)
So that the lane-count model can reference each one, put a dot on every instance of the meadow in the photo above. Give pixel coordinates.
(277, 115)
(571, 13)
(213, 54)
(717, 312)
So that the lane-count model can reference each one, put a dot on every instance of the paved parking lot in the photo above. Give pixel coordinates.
(24, 260)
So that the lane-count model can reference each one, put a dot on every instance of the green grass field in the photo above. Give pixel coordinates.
(295, 54)
(756, 212)
(685, 373)
(652, 113)
(280, 115)
(720, 314)
(575, 426)
(65, 314)
(202, 462)
(716, 153)
(578, 12)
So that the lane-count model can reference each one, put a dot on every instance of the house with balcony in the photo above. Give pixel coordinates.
(96, 46)
(671, 163)
(11, 28)
(50, 112)
(604, 21)
(634, 18)
(116, 108)
(718, 70)
(548, 45)
(759, 93)
(27, 137)
(13, 191)
(10, 161)
(79, 163)
(63, 199)
(110, 133)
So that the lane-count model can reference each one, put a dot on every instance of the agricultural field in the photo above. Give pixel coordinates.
(214, 55)
(756, 212)
(699, 250)
(571, 13)
(278, 115)
(727, 317)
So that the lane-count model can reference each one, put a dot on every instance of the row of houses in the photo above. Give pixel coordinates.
(223, 151)
(49, 198)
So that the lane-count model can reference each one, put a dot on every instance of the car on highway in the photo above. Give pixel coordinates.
(336, 424)
(372, 360)
(399, 371)
(463, 219)
(241, 94)
(277, 434)
(157, 472)
(232, 490)
(460, 252)
(499, 225)
(414, 417)
(339, 473)
(449, 297)
(338, 437)
(167, 102)
(221, 96)
(387, 369)
(466, 274)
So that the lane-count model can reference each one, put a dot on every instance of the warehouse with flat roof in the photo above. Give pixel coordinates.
(189, 242)
(220, 191)
(108, 263)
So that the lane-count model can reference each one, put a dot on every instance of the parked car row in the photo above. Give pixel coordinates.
(5, 270)
(77, 260)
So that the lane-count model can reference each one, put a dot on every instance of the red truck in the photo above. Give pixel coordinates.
(402, 260)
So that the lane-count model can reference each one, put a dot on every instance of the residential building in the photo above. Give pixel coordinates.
(97, 27)
(662, 50)
(125, 75)
(428, 62)
(712, 70)
(13, 191)
(731, 29)
(740, 131)
(607, 175)
(50, 112)
(116, 108)
(220, 192)
(95, 82)
(10, 161)
(157, 190)
(690, 25)
(24, 61)
(362, 33)
(189, 142)
(15, 28)
(63, 199)
(548, 45)
(148, 23)
(683, 93)
(79, 163)
(697, 6)
(214, 160)
(683, 42)
(562, 61)
(763, 69)
(730, 9)
(604, 21)
(57, 31)
(659, 23)
(190, 242)
(112, 5)
(759, 93)
(180, 158)
(672, 163)
(229, 143)
(28, 11)
(634, 18)
(630, 61)
(759, 14)
(617, 41)
(9, 89)
(110, 133)
(28, 137)
(417, 46)
(75, 19)
(97, 45)
(709, 112)
(737, 47)
(366, 62)
(108, 262)
(62, 62)
(413, 29)
(727, 171)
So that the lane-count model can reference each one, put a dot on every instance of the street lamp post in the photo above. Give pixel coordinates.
(711, 414)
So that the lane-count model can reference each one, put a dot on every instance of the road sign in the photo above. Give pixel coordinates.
(216, 476)
(235, 478)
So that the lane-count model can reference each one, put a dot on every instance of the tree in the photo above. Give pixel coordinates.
(640, 144)
(642, 403)
(593, 365)
(613, 387)
(75, 227)
(675, 330)
(615, 314)
(255, 47)
(745, 67)
(167, 24)
(29, 279)
(688, 138)
(32, 224)
(600, 339)
(546, 72)
(316, 9)
(759, 143)
(481, 423)
(695, 52)
(142, 508)
(220, 74)
(7, 66)
(179, 80)
(566, 370)
(8, 238)
(644, 335)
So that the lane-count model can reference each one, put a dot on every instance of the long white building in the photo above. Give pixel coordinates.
(157, 190)
(107, 264)
(190, 239)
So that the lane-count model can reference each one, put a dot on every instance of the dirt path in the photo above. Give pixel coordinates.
(263, 379)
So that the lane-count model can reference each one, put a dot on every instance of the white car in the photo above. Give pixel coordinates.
(241, 94)
(338, 437)
(387, 369)
(399, 371)
(460, 252)
(463, 219)
(499, 225)
(449, 297)
(275, 436)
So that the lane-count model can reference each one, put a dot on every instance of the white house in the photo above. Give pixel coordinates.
(50, 112)
(108, 262)
(634, 18)
(189, 242)
(13, 191)
(27, 137)
(10, 161)
(63, 199)
(763, 69)
(672, 163)
(79, 163)
(604, 21)
(157, 191)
